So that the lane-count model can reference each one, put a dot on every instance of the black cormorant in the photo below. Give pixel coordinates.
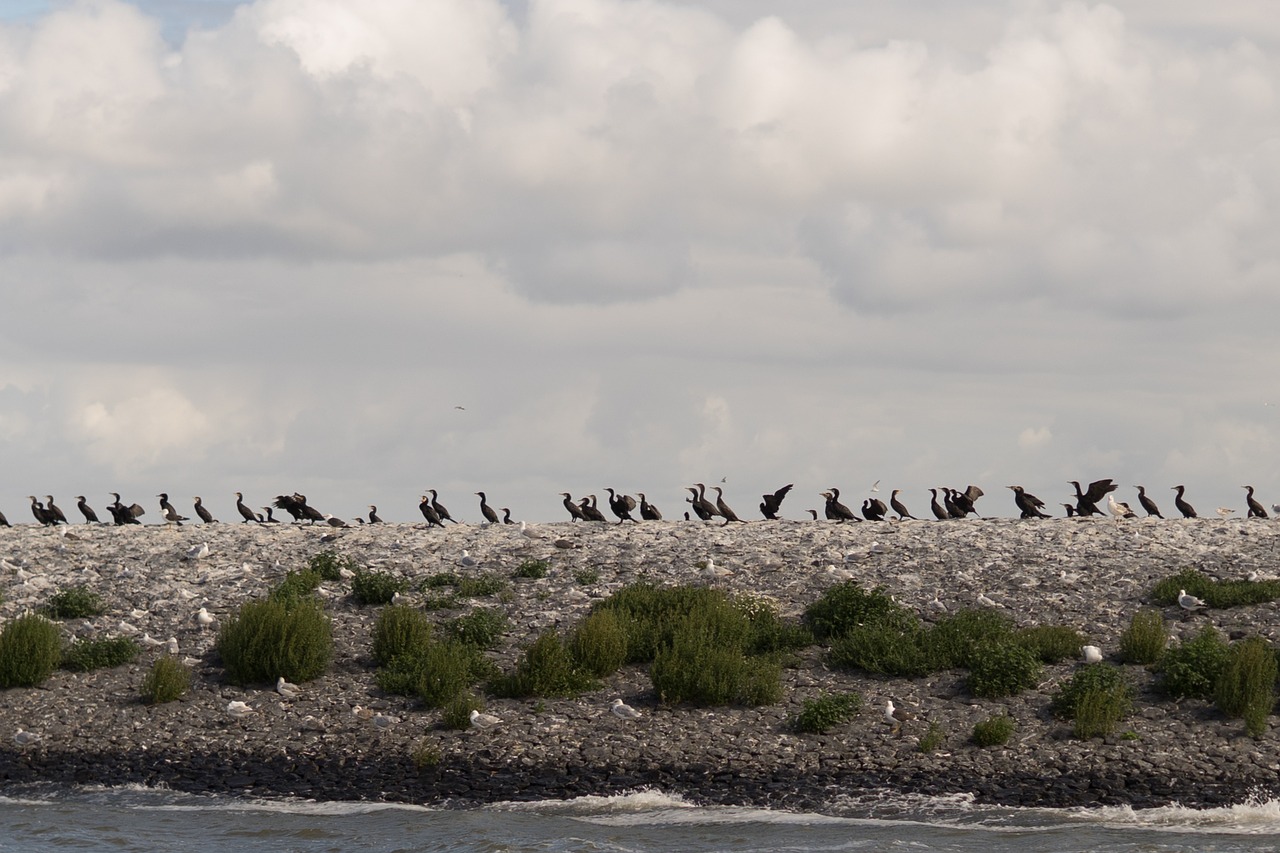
(1071, 510)
(728, 514)
(429, 512)
(486, 510)
(648, 511)
(836, 510)
(4, 522)
(938, 512)
(506, 516)
(1030, 505)
(899, 507)
(441, 509)
(245, 513)
(270, 519)
(1187, 510)
(1255, 508)
(873, 509)
(1148, 505)
(575, 511)
(167, 512)
(698, 509)
(708, 507)
(589, 509)
(770, 505)
(205, 515)
(621, 505)
(90, 517)
(54, 513)
(373, 515)
(1087, 500)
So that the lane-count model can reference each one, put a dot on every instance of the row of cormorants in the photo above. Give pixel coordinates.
(946, 503)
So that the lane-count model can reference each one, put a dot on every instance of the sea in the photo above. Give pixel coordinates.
(147, 819)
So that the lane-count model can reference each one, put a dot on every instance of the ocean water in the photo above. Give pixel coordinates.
(133, 819)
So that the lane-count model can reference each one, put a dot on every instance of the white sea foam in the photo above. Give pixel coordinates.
(1256, 817)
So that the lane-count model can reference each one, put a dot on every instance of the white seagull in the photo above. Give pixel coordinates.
(895, 717)
(198, 552)
(623, 710)
(204, 618)
(483, 721)
(287, 689)
(1225, 511)
(529, 532)
(385, 721)
(24, 738)
(239, 710)
(1188, 602)
(467, 560)
(1092, 654)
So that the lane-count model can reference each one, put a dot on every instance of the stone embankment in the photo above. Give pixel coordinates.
(1091, 575)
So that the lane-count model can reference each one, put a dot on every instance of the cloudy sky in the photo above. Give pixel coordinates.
(272, 246)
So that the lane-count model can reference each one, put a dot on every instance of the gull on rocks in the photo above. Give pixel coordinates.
(204, 618)
(1188, 602)
(384, 721)
(239, 710)
(528, 531)
(986, 602)
(483, 721)
(312, 723)
(1225, 511)
(623, 710)
(25, 738)
(467, 560)
(148, 640)
(198, 552)
(1091, 654)
(171, 645)
(287, 689)
(334, 521)
(895, 717)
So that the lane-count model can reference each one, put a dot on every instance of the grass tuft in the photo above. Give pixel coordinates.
(817, 716)
(376, 587)
(1144, 641)
(1247, 685)
(993, 731)
(87, 655)
(1191, 668)
(78, 602)
(30, 649)
(271, 638)
(1214, 593)
(168, 680)
(1096, 698)
(400, 630)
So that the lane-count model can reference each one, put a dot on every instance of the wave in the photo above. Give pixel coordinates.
(1260, 815)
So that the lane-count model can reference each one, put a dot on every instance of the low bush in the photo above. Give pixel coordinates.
(1191, 668)
(30, 649)
(599, 644)
(1214, 593)
(328, 566)
(704, 662)
(885, 648)
(167, 680)
(1096, 698)
(482, 627)
(436, 674)
(376, 587)
(426, 754)
(769, 632)
(955, 640)
(1003, 669)
(86, 655)
(933, 739)
(586, 577)
(545, 669)
(848, 605)
(480, 586)
(532, 569)
(829, 710)
(438, 580)
(271, 638)
(78, 602)
(1143, 642)
(1051, 643)
(296, 586)
(399, 630)
(993, 731)
(649, 614)
(1247, 685)
(457, 711)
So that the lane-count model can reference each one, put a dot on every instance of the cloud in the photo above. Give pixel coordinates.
(1034, 438)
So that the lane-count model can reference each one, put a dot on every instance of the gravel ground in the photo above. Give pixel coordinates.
(1090, 574)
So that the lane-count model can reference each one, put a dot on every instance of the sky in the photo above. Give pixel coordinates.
(364, 250)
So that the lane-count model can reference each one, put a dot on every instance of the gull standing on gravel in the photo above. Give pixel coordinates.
(198, 552)
(385, 721)
(239, 710)
(1188, 602)
(25, 738)
(895, 717)
(483, 721)
(623, 711)
(287, 689)
(1092, 654)
(204, 618)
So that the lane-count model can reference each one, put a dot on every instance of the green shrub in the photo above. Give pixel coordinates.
(1003, 670)
(375, 587)
(457, 711)
(480, 586)
(438, 580)
(704, 662)
(933, 739)
(771, 633)
(426, 754)
(817, 716)
(482, 627)
(885, 648)
(760, 682)
(168, 680)
(1096, 698)
(328, 566)
(649, 614)
(1051, 643)
(993, 731)
(271, 638)
(1144, 640)
(1191, 669)
(545, 669)
(30, 648)
(86, 655)
(599, 644)
(1247, 686)
(1214, 593)
(847, 605)
(586, 577)
(436, 674)
(532, 569)
(955, 640)
(400, 630)
(296, 586)
(78, 602)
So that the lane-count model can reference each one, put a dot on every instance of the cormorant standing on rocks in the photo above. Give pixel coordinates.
(309, 512)
(90, 517)
(441, 509)
(899, 507)
(54, 513)
(938, 512)
(1071, 510)
(708, 507)
(575, 511)
(37, 510)
(4, 522)
(124, 514)
(270, 519)
(836, 510)
(291, 505)
(429, 512)
(1087, 501)
(168, 513)
(1030, 505)
(245, 513)
(965, 501)
(873, 509)
(728, 514)
(590, 510)
(1255, 508)
(506, 516)
(813, 512)
(771, 504)
(698, 508)
(1187, 510)
(1148, 505)
(486, 510)
(949, 501)
(205, 515)
(621, 505)
(373, 515)
(648, 511)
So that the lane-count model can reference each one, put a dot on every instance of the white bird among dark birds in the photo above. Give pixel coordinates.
(483, 721)
(1225, 511)
(334, 521)
(623, 710)
(239, 710)
(25, 738)
(198, 552)
(1188, 602)
(528, 531)
(1092, 654)
(895, 717)
(287, 689)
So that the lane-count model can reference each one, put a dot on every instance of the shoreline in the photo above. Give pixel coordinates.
(1088, 574)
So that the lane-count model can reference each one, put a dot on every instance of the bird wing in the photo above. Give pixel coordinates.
(1098, 490)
